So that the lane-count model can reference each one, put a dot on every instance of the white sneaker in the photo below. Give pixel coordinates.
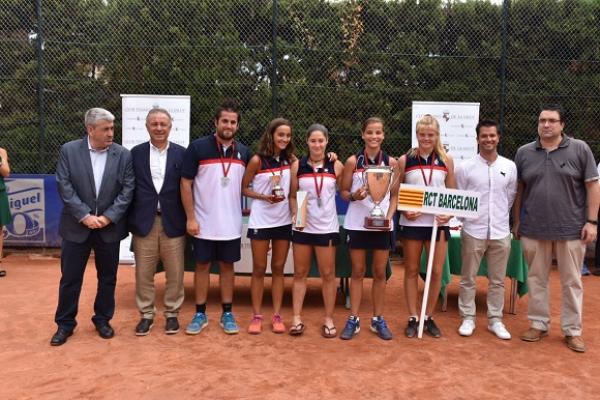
(467, 327)
(499, 330)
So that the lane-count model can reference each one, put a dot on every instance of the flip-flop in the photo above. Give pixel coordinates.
(297, 330)
(328, 332)
(2, 273)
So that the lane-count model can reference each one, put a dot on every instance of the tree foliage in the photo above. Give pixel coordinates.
(336, 62)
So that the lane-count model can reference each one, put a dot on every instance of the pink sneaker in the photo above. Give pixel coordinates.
(255, 326)
(278, 326)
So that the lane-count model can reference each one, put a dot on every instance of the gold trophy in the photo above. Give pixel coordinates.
(276, 190)
(378, 180)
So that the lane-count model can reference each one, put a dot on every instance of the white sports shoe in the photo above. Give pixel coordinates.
(499, 330)
(467, 327)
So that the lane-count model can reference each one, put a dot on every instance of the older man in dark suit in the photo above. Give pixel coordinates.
(96, 183)
(157, 221)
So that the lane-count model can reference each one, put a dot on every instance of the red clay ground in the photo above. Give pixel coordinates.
(213, 365)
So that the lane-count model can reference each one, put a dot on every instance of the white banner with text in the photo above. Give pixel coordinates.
(457, 126)
(135, 109)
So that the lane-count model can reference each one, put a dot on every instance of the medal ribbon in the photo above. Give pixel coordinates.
(269, 167)
(430, 170)
(379, 157)
(318, 186)
(221, 158)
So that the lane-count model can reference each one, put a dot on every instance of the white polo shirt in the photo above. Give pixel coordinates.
(497, 184)
(217, 205)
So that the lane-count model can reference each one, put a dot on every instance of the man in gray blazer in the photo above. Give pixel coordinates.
(96, 183)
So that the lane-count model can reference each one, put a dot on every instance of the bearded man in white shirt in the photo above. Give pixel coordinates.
(495, 178)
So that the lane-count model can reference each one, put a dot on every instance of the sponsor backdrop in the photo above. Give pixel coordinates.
(35, 207)
(135, 110)
(457, 126)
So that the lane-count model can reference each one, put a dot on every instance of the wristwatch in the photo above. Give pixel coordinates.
(591, 221)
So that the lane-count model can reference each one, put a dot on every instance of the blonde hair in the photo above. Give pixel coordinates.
(426, 121)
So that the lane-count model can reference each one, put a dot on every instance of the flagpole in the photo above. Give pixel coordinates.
(428, 276)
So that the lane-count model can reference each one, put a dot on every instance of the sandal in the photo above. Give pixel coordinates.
(328, 332)
(297, 330)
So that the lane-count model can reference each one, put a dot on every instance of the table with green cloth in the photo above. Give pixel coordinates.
(516, 269)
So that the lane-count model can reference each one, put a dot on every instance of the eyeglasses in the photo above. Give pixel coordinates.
(543, 121)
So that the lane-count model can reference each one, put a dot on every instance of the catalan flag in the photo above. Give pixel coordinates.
(410, 197)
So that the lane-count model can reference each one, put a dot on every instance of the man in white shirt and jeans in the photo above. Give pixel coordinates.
(495, 178)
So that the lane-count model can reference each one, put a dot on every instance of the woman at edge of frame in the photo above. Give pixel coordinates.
(428, 165)
(319, 177)
(270, 222)
(359, 238)
(5, 216)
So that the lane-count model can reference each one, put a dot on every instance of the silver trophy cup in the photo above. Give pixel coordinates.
(378, 180)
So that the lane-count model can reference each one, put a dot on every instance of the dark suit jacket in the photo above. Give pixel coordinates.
(145, 201)
(75, 179)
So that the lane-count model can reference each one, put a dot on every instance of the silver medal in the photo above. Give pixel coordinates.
(224, 181)
(319, 202)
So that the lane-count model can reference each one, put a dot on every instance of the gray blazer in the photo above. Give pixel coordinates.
(75, 179)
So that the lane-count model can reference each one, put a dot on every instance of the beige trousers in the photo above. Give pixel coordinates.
(472, 251)
(569, 256)
(149, 250)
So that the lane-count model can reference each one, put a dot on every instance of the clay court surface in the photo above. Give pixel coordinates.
(214, 366)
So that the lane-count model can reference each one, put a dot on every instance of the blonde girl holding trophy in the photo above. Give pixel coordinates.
(426, 165)
(267, 181)
(362, 238)
(312, 202)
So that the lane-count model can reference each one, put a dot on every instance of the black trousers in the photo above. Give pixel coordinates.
(74, 257)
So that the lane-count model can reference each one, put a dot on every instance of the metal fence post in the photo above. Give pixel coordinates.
(274, 108)
(503, 56)
(40, 86)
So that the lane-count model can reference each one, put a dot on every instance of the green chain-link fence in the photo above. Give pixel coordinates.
(334, 62)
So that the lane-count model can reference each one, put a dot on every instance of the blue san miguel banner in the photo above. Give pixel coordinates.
(35, 207)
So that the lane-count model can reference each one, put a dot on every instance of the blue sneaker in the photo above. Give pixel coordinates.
(379, 327)
(351, 329)
(585, 271)
(198, 323)
(228, 323)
